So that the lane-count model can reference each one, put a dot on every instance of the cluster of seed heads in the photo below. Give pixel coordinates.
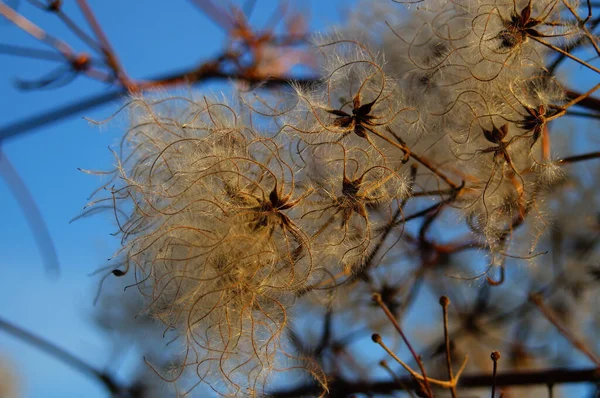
(229, 215)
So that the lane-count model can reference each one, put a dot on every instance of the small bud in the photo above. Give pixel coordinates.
(536, 298)
(376, 297)
(376, 338)
(495, 356)
(444, 301)
(55, 6)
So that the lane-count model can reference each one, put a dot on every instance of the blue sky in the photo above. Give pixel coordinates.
(150, 38)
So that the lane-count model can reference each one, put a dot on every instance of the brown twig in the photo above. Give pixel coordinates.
(218, 68)
(495, 358)
(79, 62)
(586, 102)
(579, 158)
(551, 317)
(110, 55)
(383, 364)
(111, 385)
(445, 302)
(516, 378)
(388, 313)
(35, 31)
(85, 104)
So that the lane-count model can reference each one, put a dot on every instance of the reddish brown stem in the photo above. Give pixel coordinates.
(480, 380)
(579, 158)
(445, 302)
(553, 319)
(388, 313)
(495, 358)
(109, 53)
(587, 102)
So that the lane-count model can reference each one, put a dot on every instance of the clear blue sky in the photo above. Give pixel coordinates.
(150, 37)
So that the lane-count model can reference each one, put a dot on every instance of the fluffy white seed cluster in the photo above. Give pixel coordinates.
(208, 211)
(475, 72)
(231, 214)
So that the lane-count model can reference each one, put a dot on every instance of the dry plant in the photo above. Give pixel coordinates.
(275, 231)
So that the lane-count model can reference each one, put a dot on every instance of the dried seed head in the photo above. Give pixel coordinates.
(207, 210)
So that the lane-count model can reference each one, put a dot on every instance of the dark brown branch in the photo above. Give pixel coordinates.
(495, 357)
(392, 318)
(445, 302)
(537, 299)
(62, 355)
(20, 51)
(85, 104)
(569, 47)
(588, 102)
(579, 158)
(342, 388)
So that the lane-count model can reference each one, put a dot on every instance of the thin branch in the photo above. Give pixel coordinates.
(495, 358)
(570, 47)
(85, 104)
(397, 379)
(480, 380)
(587, 102)
(566, 54)
(445, 302)
(388, 313)
(20, 51)
(579, 158)
(109, 54)
(551, 317)
(447, 384)
(62, 355)
(35, 31)
(32, 214)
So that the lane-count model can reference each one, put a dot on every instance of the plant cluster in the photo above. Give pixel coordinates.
(233, 215)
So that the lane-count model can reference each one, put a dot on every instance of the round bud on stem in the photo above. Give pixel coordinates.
(444, 301)
(495, 356)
